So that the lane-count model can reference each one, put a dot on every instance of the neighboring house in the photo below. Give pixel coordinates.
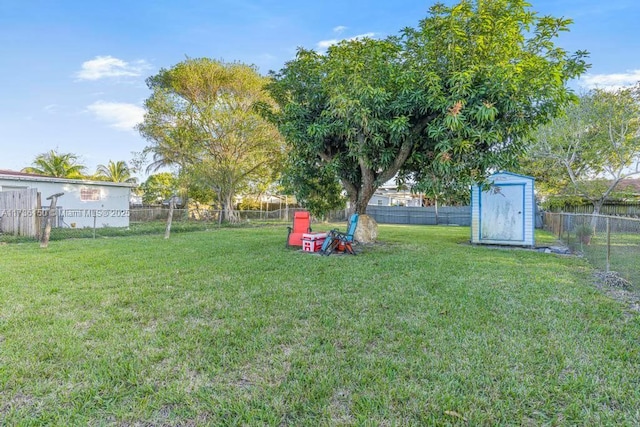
(135, 201)
(84, 203)
(631, 187)
(389, 194)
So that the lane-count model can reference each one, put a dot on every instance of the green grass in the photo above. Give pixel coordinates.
(227, 327)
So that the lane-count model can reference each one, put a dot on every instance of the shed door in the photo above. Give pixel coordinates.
(502, 213)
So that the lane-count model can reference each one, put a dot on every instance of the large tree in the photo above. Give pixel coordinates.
(60, 165)
(589, 150)
(201, 117)
(455, 96)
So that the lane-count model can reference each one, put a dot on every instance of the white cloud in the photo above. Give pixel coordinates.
(51, 108)
(107, 66)
(610, 81)
(119, 115)
(339, 29)
(324, 44)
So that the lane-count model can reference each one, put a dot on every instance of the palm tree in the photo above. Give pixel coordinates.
(115, 172)
(63, 165)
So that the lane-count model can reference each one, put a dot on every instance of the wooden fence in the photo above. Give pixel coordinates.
(20, 212)
(630, 209)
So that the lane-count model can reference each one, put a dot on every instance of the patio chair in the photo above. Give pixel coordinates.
(335, 238)
(301, 225)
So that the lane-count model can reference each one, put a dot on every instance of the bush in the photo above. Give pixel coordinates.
(583, 230)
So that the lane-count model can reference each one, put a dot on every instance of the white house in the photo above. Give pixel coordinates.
(85, 203)
(389, 194)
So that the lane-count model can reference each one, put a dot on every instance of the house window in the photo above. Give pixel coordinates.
(89, 194)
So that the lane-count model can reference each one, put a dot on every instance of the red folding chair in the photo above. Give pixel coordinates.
(301, 225)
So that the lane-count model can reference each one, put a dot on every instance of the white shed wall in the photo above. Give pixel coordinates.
(112, 210)
(483, 218)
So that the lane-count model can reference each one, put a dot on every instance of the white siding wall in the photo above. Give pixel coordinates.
(475, 214)
(528, 205)
(112, 210)
(380, 200)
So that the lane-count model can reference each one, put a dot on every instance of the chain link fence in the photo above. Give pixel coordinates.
(610, 243)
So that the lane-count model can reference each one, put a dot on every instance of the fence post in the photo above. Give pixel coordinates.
(561, 225)
(608, 243)
(38, 215)
(167, 230)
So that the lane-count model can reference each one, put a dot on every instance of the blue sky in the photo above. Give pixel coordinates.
(72, 73)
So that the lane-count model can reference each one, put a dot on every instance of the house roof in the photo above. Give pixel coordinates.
(31, 177)
(630, 184)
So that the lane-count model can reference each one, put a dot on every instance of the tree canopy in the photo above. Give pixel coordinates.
(159, 187)
(60, 165)
(201, 117)
(589, 150)
(450, 99)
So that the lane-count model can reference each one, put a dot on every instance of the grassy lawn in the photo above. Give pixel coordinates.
(227, 327)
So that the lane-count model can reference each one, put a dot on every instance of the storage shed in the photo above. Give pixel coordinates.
(504, 214)
(85, 203)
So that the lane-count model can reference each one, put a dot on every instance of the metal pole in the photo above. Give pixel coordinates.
(608, 243)
(172, 205)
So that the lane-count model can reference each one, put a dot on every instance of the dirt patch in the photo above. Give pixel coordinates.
(340, 408)
(558, 248)
(617, 288)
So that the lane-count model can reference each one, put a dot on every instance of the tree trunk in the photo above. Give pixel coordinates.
(597, 206)
(52, 212)
(359, 198)
(359, 195)
(230, 213)
(364, 196)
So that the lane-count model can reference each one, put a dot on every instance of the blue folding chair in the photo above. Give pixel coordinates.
(335, 238)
